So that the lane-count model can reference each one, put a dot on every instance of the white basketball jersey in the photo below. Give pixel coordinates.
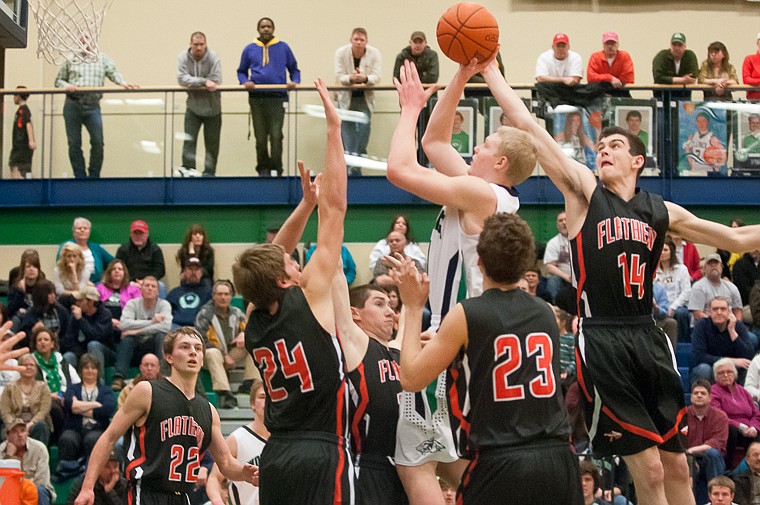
(699, 143)
(249, 447)
(452, 250)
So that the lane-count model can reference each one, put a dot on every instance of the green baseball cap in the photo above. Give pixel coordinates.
(678, 37)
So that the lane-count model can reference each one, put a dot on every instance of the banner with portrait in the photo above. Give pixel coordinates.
(638, 117)
(702, 140)
(746, 141)
(576, 131)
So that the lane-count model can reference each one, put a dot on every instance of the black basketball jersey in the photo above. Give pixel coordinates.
(375, 390)
(302, 366)
(616, 253)
(164, 454)
(507, 380)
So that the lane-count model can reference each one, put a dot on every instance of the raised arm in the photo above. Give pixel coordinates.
(292, 229)
(135, 408)
(316, 279)
(437, 138)
(702, 231)
(420, 366)
(464, 192)
(353, 340)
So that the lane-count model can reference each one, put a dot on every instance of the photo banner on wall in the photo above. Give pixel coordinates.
(746, 141)
(702, 140)
(639, 118)
(576, 131)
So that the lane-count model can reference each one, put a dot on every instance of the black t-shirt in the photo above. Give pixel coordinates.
(20, 143)
(302, 367)
(375, 390)
(507, 380)
(615, 255)
(165, 452)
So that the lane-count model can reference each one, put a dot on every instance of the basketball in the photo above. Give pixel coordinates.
(466, 31)
(715, 156)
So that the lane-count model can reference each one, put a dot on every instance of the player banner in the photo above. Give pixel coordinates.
(576, 131)
(638, 117)
(746, 141)
(702, 140)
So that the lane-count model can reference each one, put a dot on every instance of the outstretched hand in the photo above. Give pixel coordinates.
(6, 347)
(476, 67)
(413, 287)
(411, 93)
(309, 187)
(330, 113)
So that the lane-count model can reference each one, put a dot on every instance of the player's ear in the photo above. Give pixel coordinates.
(638, 163)
(284, 283)
(355, 315)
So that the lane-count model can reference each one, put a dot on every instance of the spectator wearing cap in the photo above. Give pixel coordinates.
(676, 65)
(34, 459)
(90, 329)
(187, 298)
(111, 488)
(710, 286)
(141, 256)
(611, 65)
(560, 64)
(718, 336)
(223, 326)
(751, 71)
(423, 57)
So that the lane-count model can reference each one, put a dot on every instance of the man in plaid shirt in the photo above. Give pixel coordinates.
(84, 109)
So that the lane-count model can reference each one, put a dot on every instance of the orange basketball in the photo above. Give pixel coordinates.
(466, 31)
(715, 156)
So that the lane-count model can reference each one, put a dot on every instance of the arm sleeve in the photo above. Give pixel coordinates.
(45, 403)
(129, 319)
(184, 77)
(752, 381)
(432, 73)
(749, 74)
(342, 74)
(576, 69)
(717, 435)
(699, 353)
(696, 299)
(242, 71)
(595, 71)
(215, 74)
(62, 76)
(157, 261)
(541, 67)
(293, 71)
(690, 65)
(373, 66)
(742, 345)
(660, 71)
(108, 401)
(110, 70)
(397, 67)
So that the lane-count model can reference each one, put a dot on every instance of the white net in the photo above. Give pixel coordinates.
(69, 30)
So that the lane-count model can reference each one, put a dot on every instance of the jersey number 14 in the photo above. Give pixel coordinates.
(536, 344)
(633, 274)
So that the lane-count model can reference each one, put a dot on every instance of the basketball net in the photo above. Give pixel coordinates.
(69, 30)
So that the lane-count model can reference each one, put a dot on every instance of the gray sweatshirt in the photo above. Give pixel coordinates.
(136, 317)
(194, 74)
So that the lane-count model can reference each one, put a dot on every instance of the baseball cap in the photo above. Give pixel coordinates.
(139, 225)
(15, 423)
(606, 36)
(88, 292)
(678, 37)
(192, 262)
(418, 35)
(561, 37)
(713, 257)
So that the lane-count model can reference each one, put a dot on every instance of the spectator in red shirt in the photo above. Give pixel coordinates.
(688, 256)
(611, 65)
(751, 72)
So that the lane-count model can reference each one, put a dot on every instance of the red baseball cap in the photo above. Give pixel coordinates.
(139, 225)
(561, 37)
(607, 36)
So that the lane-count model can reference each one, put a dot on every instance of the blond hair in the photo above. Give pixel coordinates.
(520, 150)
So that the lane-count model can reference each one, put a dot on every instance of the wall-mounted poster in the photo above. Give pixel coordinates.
(702, 140)
(639, 118)
(463, 134)
(747, 144)
(576, 133)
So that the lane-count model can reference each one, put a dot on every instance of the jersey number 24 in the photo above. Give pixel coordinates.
(536, 344)
(292, 363)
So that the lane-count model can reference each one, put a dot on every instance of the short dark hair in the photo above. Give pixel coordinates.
(258, 23)
(632, 113)
(23, 96)
(88, 359)
(197, 34)
(172, 336)
(635, 145)
(506, 247)
(256, 272)
(702, 383)
(36, 333)
(360, 30)
(358, 295)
